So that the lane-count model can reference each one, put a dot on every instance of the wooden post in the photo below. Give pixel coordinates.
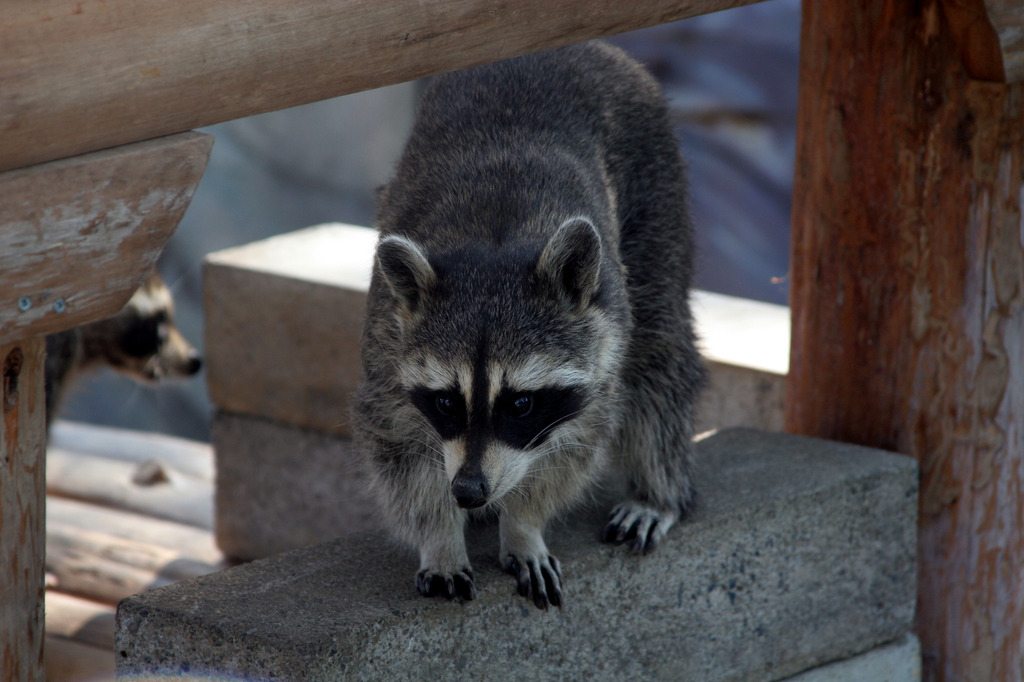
(22, 513)
(908, 296)
(77, 236)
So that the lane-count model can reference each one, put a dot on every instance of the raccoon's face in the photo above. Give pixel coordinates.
(142, 340)
(497, 420)
(504, 353)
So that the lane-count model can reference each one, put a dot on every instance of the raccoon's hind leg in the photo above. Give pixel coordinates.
(662, 378)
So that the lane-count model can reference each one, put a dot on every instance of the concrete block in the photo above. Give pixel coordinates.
(802, 553)
(282, 487)
(742, 332)
(898, 661)
(740, 396)
(283, 321)
(284, 317)
(746, 346)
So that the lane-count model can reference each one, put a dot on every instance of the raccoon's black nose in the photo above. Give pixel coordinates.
(195, 363)
(470, 491)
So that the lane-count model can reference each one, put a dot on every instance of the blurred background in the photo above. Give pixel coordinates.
(731, 83)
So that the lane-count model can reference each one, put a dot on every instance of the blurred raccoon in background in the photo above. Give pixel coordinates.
(140, 341)
(528, 318)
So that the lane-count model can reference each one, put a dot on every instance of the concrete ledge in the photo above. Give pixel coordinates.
(802, 553)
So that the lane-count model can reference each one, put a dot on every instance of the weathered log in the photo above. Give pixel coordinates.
(81, 75)
(908, 302)
(173, 496)
(189, 457)
(187, 540)
(78, 236)
(82, 620)
(22, 509)
(107, 568)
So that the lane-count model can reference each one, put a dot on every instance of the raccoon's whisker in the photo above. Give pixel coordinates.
(423, 437)
(431, 452)
(425, 441)
(547, 429)
(518, 490)
(560, 445)
(537, 472)
(432, 449)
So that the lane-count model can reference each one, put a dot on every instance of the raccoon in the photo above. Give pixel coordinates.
(528, 317)
(140, 341)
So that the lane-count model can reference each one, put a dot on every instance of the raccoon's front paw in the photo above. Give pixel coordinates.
(432, 583)
(642, 526)
(540, 576)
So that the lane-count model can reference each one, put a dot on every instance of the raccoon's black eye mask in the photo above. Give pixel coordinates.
(446, 410)
(520, 419)
(524, 420)
(145, 335)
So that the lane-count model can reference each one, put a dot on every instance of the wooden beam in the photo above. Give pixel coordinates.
(82, 620)
(908, 302)
(22, 500)
(78, 236)
(81, 75)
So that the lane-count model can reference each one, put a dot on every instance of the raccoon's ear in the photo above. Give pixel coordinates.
(406, 270)
(572, 260)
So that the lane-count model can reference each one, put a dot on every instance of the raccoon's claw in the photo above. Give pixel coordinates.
(451, 585)
(540, 577)
(640, 525)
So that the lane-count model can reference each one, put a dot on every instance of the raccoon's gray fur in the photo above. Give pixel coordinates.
(140, 341)
(528, 316)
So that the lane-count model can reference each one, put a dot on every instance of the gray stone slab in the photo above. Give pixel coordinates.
(898, 661)
(802, 553)
(282, 487)
(740, 396)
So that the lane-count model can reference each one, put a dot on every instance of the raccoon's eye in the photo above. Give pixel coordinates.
(521, 406)
(445, 410)
(445, 405)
